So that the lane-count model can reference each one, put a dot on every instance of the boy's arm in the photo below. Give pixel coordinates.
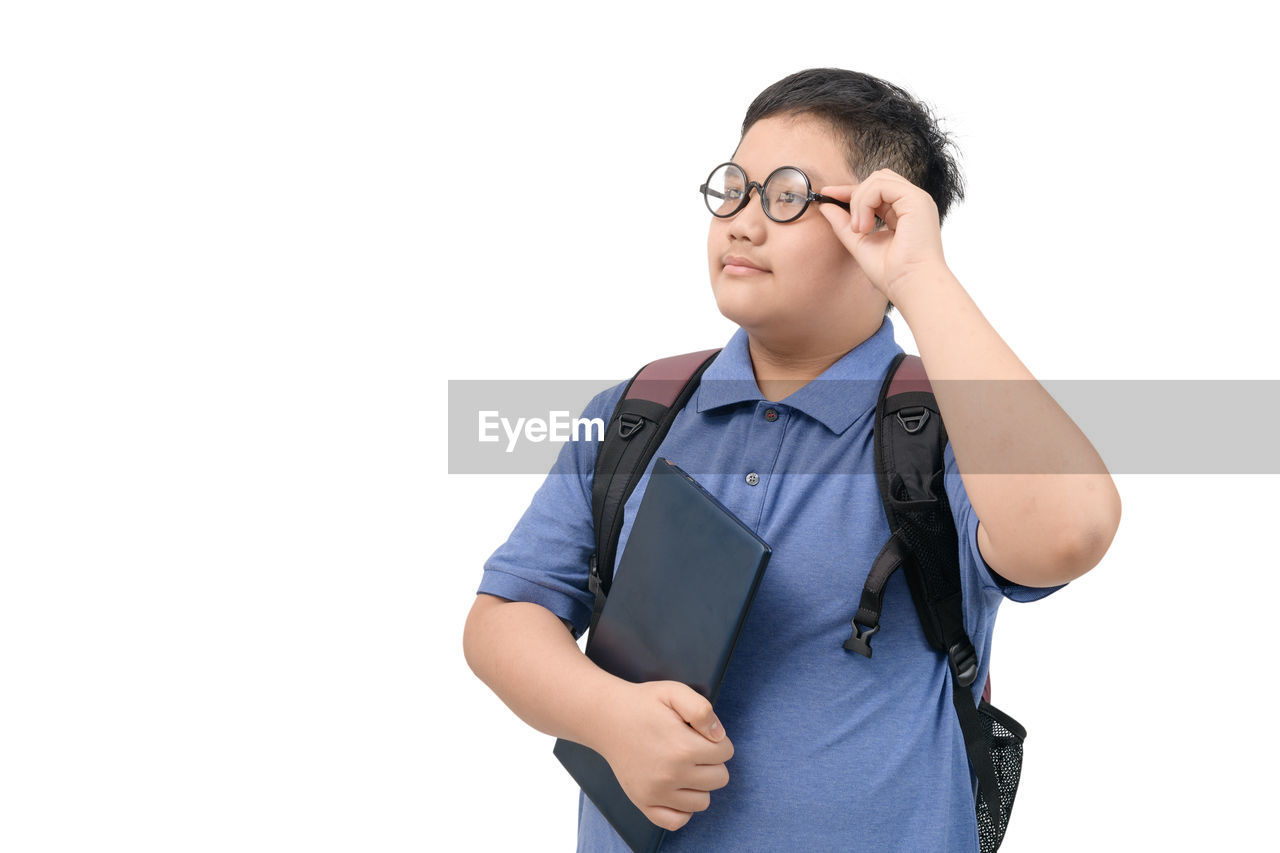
(662, 738)
(1053, 517)
(1051, 511)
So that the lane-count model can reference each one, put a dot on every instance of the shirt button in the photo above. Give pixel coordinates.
(771, 414)
(753, 478)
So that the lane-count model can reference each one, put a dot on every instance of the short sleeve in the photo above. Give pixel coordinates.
(544, 560)
(972, 565)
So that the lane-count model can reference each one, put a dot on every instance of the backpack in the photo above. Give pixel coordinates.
(909, 440)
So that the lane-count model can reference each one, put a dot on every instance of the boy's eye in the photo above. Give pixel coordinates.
(788, 198)
(733, 193)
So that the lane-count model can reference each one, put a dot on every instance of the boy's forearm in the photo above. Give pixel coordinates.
(527, 656)
(1045, 499)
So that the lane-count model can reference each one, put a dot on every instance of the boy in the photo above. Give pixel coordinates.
(829, 750)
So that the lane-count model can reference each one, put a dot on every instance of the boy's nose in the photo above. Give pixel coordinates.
(750, 223)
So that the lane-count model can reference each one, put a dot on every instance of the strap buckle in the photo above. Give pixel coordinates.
(918, 417)
(964, 663)
(594, 581)
(860, 640)
(629, 424)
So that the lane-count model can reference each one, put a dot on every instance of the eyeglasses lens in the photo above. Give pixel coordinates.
(725, 190)
(786, 194)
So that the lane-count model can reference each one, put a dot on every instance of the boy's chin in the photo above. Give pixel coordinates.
(748, 316)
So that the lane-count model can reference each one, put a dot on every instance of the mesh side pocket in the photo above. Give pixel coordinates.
(1004, 736)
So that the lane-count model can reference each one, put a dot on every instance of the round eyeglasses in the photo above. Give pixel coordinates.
(785, 195)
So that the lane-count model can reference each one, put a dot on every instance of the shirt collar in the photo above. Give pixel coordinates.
(839, 396)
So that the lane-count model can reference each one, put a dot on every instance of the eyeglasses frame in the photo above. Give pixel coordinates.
(810, 195)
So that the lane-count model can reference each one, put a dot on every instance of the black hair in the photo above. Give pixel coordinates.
(881, 125)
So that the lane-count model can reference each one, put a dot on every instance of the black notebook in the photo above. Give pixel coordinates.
(679, 597)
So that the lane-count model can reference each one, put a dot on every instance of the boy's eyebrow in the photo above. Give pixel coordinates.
(815, 177)
(819, 181)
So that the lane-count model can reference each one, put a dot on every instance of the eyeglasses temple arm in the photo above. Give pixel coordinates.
(819, 197)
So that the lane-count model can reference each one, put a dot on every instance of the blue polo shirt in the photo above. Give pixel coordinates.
(832, 751)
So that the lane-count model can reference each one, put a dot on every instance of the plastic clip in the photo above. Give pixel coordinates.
(629, 424)
(964, 663)
(594, 582)
(860, 641)
(918, 417)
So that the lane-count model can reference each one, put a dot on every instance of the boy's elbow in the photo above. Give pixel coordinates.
(489, 628)
(1103, 533)
(1072, 551)
(1085, 550)
(474, 630)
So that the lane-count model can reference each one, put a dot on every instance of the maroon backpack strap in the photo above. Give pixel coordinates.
(662, 381)
(642, 418)
(910, 441)
(910, 377)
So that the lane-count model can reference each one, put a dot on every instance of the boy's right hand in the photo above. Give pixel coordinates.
(667, 749)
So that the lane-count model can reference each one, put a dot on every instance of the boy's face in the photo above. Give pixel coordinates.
(798, 278)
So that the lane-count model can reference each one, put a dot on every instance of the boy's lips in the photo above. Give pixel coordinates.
(737, 265)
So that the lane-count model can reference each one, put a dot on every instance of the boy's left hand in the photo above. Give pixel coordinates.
(909, 247)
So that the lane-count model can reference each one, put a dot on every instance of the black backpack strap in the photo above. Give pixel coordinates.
(642, 418)
(910, 440)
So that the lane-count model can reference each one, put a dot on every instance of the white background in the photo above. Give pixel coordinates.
(245, 245)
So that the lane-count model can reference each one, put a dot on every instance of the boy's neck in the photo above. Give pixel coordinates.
(785, 364)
